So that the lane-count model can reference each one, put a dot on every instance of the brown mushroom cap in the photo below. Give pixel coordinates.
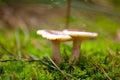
(54, 35)
(80, 34)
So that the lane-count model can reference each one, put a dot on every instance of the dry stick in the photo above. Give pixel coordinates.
(29, 60)
(101, 69)
(8, 60)
(68, 13)
(43, 62)
(105, 73)
(111, 56)
(58, 68)
(3, 47)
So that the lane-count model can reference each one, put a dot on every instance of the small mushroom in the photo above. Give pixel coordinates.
(78, 37)
(56, 37)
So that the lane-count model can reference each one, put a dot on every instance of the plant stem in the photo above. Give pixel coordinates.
(68, 13)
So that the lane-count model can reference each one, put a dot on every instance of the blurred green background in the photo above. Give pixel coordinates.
(19, 21)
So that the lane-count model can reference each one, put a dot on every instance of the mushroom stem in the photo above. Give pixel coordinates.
(76, 51)
(56, 52)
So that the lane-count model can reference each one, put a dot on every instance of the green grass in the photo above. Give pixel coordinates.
(99, 59)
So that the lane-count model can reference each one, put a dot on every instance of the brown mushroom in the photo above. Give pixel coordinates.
(56, 37)
(78, 37)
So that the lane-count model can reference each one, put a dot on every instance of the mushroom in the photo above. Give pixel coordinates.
(78, 37)
(56, 37)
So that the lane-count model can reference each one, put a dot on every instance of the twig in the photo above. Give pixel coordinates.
(111, 57)
(8, 60)
(3, 47)
(68, 13)
(64, 73)
(29, 60)
(41, 61)
(58, 68)
(105, 74)
(101, 69)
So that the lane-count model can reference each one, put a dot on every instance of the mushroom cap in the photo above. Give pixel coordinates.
(54, 35)
(80, 34)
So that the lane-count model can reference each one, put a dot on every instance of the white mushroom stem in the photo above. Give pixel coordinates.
(56, 52)
(76, 51)
(78, 36)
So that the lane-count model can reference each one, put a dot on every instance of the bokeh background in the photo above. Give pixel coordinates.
(20, 19)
